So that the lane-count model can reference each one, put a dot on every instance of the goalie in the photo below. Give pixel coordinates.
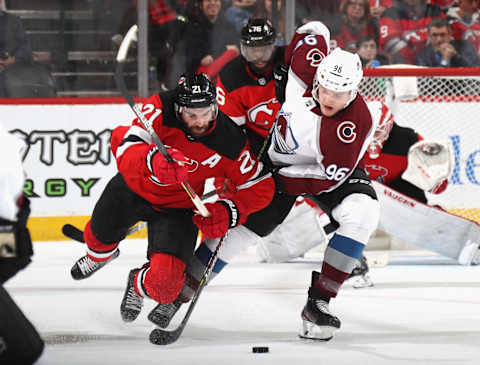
(401, 159)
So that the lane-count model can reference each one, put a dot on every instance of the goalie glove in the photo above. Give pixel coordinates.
(429, 165)
(224, 215)
(164, 172)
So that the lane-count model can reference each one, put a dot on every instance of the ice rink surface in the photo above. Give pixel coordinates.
(422, 310)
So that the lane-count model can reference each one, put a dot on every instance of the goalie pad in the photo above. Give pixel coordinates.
(427, 227)
(429, 164)
(299, 232)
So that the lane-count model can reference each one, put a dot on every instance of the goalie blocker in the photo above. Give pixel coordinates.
(428, 227)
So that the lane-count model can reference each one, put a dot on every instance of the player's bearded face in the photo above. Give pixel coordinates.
(197, 120)
(331, 102)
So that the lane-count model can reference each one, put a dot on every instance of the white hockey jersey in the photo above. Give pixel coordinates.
(12, 176)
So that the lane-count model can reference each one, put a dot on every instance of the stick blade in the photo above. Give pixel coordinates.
(160, 336)
(73, 233)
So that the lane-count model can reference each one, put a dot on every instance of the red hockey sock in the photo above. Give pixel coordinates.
(96, 250)
(164, 279)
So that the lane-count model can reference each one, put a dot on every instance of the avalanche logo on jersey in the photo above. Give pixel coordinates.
(345, 132)
(315, 56)
(263, 114)
(284, 141)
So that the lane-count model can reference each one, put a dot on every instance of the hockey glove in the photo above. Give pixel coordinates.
(15, 245)
(165, 172)
(224, 188)
(224, 215)
(280, 73)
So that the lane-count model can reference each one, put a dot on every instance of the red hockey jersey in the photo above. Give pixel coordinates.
(222, 152)
(465, 30)
(247, 98)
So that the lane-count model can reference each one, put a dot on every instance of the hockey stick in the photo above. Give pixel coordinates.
(161, 336)
(76, 234)
(121, 57)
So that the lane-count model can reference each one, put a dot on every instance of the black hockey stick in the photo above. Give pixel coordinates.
(161, 336)
(147, 124)
(76, 234)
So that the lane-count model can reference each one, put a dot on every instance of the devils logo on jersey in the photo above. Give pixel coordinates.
(263, 114)
(376, 172)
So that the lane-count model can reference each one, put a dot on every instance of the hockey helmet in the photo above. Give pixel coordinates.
(383, 120)
(195, 91)
(257, 40)
(339, 71)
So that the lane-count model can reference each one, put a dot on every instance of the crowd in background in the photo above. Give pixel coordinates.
(203, 35)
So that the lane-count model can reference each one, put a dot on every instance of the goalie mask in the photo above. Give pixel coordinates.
(383, 120)
(340, 71)
(257, 41)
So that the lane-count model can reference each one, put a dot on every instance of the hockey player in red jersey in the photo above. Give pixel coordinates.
(246, 85)
(317, 145)
(204, 143)
(387, 156)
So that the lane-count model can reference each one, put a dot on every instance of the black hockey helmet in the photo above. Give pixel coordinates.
(195, 91)
(258, 32)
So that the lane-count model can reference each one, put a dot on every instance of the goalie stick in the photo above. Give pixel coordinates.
(160, 336)
(121, 57)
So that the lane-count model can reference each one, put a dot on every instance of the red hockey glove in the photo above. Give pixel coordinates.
(165, 172)
(224, 188)
(224, 215)
(440, 187)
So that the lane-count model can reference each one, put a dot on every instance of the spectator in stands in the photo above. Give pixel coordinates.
(367, 49)
(326, 11)
(377, 7)
(239, 12)
(356, 23)
(264, 10)
(403, 29)
(210, 40)
(465, 22)
(444, 51)
(14, 46)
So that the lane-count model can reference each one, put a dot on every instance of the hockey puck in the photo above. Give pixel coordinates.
(259, 349)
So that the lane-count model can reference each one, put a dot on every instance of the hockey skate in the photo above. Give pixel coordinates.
(85, 267)
(317, 321)
(361, 270)
(162, 314)
(132, 302)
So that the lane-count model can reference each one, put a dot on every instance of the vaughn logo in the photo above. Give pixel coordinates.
(391, 194)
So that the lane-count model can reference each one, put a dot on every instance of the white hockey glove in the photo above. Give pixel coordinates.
(429, 165)
(317, 28)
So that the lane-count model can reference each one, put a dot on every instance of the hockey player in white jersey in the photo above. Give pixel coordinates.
(317, 145)
(405, 167)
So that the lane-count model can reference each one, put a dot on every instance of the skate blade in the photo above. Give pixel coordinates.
(311, 331)
(363, 282)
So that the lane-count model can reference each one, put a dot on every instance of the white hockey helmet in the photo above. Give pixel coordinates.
(383, 120)
(339, 71)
